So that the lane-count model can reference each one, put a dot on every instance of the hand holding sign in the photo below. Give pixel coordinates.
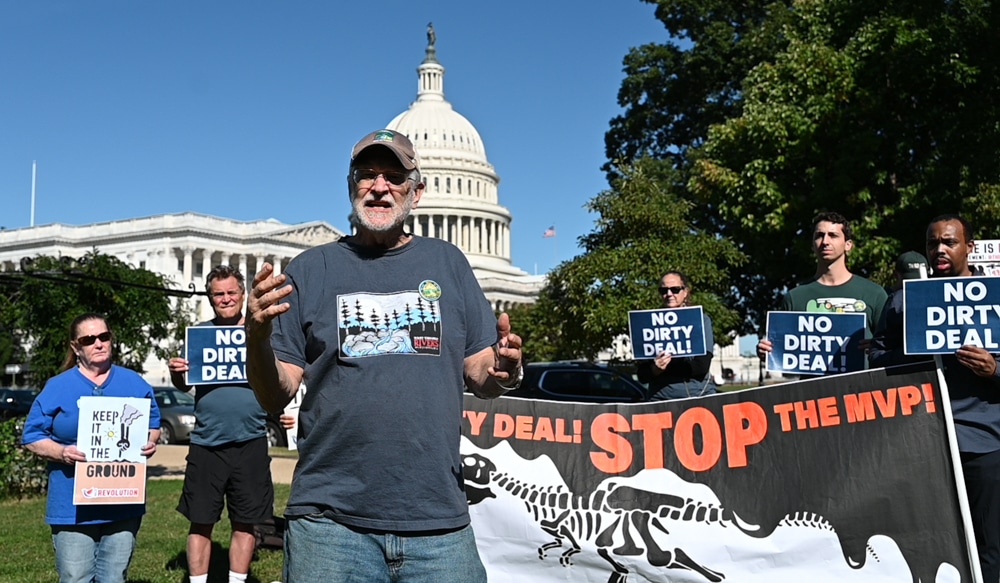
(662, 360)
(978, 360)
(178, 365)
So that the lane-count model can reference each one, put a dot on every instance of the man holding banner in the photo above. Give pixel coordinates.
(971, 373)
(834, 289)
(227, 458)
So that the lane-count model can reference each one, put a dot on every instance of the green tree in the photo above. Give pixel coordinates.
(674, 91)
(886, 114)
(50, 292)
(643, 230)
(772, 112)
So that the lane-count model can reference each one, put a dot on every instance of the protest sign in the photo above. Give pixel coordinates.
(216, 355)
(940, 315)
(837, 478)
(815, 343)
(676, 331)
(985, 258)
(111, 433)
(292, 410)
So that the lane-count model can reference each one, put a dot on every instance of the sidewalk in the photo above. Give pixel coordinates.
(169, 461)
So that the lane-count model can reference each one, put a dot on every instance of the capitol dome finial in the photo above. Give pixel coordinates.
(430, 72)
(431, 39)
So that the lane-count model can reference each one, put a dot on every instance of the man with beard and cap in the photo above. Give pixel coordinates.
(973, 384)
(386, 328)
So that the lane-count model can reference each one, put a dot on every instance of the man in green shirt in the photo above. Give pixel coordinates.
(834, 288)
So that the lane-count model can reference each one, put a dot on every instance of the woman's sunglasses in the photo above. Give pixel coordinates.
(88, 340)
(674, 290)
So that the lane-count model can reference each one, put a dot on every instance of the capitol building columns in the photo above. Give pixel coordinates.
(188, 254)
(194, 264)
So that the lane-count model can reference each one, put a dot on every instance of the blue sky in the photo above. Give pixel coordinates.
(248, 109)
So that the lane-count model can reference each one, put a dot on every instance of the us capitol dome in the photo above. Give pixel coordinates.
(461, 203)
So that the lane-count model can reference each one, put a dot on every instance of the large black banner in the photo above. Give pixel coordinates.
(843, 478)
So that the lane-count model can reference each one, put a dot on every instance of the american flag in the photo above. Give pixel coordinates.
(550, 232)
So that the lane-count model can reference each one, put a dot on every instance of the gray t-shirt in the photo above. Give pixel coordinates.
(382, 337)
(226, 413)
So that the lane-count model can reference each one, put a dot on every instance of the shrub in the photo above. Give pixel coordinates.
(21, 472)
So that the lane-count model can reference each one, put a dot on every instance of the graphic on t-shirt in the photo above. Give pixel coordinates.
(836, 305)
(405, 322)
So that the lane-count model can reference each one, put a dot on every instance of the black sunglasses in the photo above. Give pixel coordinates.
(674, 290)
(367, 176)
(88, 340)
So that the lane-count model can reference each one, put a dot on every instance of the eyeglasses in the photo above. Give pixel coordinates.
(367, 176)
(674, 290)
(88, 340)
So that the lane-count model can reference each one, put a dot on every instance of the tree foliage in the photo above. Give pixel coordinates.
(642, 232)
(39, 303)
(674, 91)
(885, 112)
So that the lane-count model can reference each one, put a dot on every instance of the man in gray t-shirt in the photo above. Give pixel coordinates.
(387, 328)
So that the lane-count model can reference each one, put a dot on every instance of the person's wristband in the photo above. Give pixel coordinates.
(514, 381)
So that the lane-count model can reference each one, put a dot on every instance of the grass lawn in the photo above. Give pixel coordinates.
(160, 555)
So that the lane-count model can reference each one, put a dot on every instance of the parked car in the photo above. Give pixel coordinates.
(176, 415)
(16, 402)
(177, 419)
(276, 435)
(578, 381)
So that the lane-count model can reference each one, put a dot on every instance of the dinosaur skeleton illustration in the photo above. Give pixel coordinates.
(619, 520)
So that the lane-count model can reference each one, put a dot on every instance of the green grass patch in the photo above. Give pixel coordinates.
(160, 555)
(283, 452)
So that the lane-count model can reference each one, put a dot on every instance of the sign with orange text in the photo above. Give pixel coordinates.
(111, 433)
(804, 481)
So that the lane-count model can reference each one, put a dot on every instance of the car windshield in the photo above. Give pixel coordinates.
(24, 396)
(19, 396)
(173, 398)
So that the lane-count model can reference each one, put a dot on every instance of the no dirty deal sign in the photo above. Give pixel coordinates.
(216, 355)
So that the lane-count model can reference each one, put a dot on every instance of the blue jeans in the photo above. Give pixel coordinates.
(94, 552)
(319, 549)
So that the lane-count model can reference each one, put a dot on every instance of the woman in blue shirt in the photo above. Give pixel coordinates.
(92, 542)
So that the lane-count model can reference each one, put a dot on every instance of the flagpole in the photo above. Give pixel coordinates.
(555, 249)
(34, 167)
